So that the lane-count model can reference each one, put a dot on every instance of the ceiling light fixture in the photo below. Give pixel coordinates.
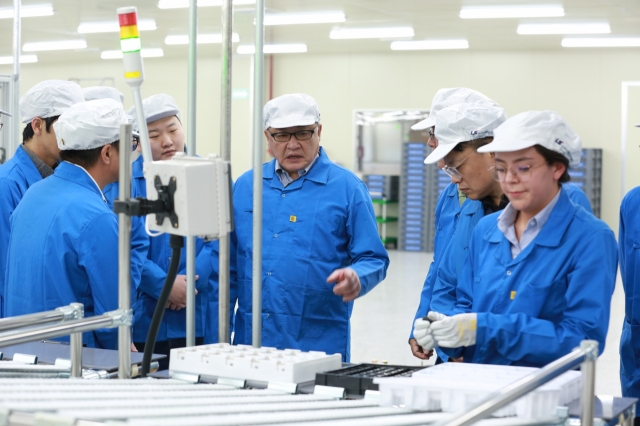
(530, 11)
(146, 53)
(577, 28)
(114, 26)
(355, 33)
(182, 4)
(54, 45)
(430, 45)
(273, 48)
(601, 42)
(28, 11)
(24, 59)
(202, 39)
(303, 18)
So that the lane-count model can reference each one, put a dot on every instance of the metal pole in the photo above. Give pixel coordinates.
(75, 349)
(508, 394)
(225, 154)
(588, 368)
(14, 135)
(64, 313)
(258, 93)
(142, 126)
(191, 145)
(17, 337)
(124, 252)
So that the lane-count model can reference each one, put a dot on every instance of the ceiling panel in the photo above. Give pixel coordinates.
(431, 19)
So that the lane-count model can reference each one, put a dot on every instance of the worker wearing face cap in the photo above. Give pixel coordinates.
(539, 276)
(450, 201)
(321, 248)
(472, 172)
(630, 273)
(166, 137)
(102, 92)
(38, 155)
(64, 238)
(106, 92)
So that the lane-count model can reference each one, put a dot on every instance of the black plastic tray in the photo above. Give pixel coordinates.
(358, 378)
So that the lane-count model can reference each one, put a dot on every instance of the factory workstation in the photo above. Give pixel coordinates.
(363, 212)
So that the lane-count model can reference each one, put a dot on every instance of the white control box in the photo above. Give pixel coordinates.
(201, 195)
(248, 363)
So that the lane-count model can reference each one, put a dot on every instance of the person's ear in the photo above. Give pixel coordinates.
(319, 130)
(558, 170)
(106, 154)
(38, 125)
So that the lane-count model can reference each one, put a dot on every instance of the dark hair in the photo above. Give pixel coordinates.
(85, 158)
(474, 144)
(27, 132)
(552, 157)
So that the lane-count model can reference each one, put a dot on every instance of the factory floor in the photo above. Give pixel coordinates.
(382, 320)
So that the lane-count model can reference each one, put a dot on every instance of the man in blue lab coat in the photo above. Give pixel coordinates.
(321, 248)
(64, 238)
(38, 155)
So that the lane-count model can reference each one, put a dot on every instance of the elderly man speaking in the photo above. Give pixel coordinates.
(321, 248)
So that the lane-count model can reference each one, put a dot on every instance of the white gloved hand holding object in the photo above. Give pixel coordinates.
(422, 334)
(455, 331)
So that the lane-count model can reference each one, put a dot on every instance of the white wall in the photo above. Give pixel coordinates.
(584, 86)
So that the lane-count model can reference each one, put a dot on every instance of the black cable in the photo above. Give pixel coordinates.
(176, 242)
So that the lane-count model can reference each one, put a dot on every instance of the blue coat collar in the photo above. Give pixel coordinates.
(78, 176)
(319, 173)
(552, 232)
(24, 162)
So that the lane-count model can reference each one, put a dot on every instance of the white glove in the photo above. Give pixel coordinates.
(422, 333)
(456, 331)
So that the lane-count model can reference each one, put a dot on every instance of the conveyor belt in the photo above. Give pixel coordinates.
(69, 402)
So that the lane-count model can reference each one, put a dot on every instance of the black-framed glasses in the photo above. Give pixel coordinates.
(302, 135)
(135, 143)
(431, 135)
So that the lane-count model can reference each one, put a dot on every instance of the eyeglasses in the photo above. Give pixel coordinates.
(453, 171)
(431, 135)
(302, 135)
(135, 143)
(521, 172)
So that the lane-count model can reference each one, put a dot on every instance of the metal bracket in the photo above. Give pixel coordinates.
(121, 317)
(590, 348)
(236, 383)
(333, 392)
(372, 395)
(72, 311)
(63, 362)
(285, 387)
(185, 377)
(25, 359)
(165, 193)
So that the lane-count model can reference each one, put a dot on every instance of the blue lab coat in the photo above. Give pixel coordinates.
(16, 176)
(63, 249)
(154, 272)
(539, 306)
(448, 209)
(444, 289)
(629, 242)
(212, 317)
(321, 222)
